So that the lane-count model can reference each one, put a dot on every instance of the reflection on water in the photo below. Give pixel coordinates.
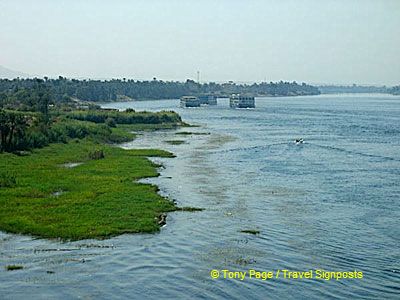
(330, 203)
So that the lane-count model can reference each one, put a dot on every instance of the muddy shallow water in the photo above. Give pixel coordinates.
(331, 203)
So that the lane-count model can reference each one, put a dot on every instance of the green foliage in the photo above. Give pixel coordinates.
(96, 154)
(110, 122)
(34, 138)
(174, 142)
(7, 180)
(14, 267)
(192, 133)
(340, 89)
(101, 116)
(26, 130)
(190, 209)
(12, 130)
(101, 198)
(63, 90)
(35, 97)
(250, 231)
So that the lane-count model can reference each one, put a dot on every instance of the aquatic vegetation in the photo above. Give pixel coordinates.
(175, 142)
(150, 127)
(250, 231)
(192, 133)
(14, 267)
(188, 208)
(104, 198)
(245, 261)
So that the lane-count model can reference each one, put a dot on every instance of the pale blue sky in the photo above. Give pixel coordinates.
(317, 41)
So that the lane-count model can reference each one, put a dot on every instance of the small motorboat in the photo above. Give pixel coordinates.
(298, 141)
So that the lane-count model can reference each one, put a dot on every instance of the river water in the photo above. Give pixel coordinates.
(331, 203)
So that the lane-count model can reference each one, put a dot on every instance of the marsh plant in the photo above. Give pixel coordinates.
(7, 180)
(96, 154)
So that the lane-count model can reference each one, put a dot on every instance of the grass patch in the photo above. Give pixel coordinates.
(148, 127)
(188, 208)
(14, 267)
(119, 135)
(175, 142)
(7, 180)
(250, 231)
(104, 198)
(96, 154)
(192, 133)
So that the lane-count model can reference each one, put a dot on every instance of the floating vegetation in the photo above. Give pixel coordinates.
(14, 267)
(245, 261)
(250, 231)
(95, 246)
(175, 142)
(55, 249)
(187, 208)
(192, 133)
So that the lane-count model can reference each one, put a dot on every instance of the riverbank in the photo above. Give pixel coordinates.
(98, 198)
(66, 178)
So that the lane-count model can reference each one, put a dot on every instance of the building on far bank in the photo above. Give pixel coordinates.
(242, 101)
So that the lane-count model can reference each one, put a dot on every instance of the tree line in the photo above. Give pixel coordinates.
(32, 118)
(127, 117)
(395, 90)
(63, 89)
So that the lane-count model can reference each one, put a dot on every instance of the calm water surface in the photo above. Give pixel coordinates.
(331, 203)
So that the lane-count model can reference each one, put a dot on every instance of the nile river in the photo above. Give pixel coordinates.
(331, 203)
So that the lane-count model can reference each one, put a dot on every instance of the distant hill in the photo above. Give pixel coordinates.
(10, 74)
(341, 89)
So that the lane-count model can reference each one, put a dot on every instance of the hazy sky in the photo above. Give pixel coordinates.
(317, 41)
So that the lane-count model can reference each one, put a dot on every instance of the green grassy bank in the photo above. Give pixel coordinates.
(60, 176)
(42, 196)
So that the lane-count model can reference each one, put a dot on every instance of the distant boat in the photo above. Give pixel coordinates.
(207, 99)
(190, 101)
(193, 101)
(298, 141)
(240, 101)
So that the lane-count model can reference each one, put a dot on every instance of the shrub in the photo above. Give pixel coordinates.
(35, 139)
(7, 180)
(126, 117)
(96, 154)
(110, 122)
